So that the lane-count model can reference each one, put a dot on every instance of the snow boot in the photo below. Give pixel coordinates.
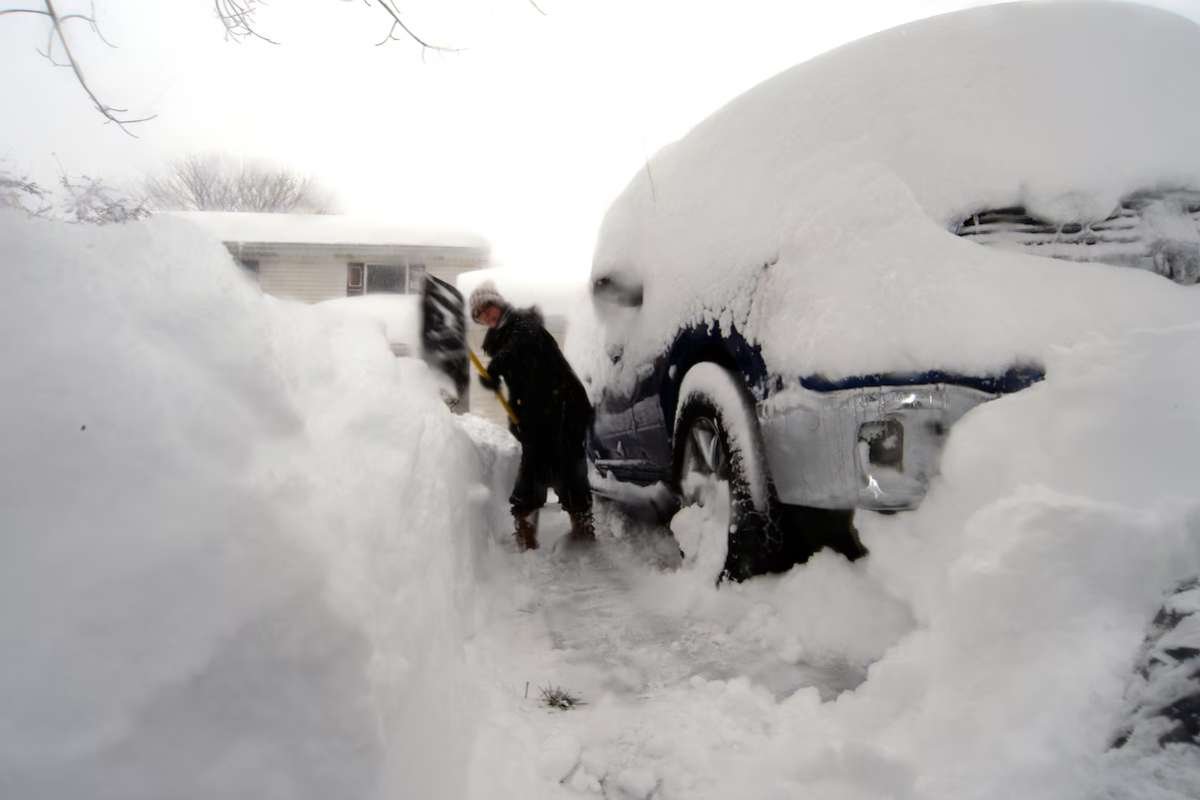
(525, 530)
(582, 534)
(583, 528)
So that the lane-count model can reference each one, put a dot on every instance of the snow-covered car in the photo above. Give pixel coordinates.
(803, 295)
(430, 326)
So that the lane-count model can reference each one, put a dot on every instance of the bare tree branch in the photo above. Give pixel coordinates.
(238, 18)
(388, 7)
(90, 19)
(48, 53)
(111, 113)
(19, 191)
(80, 199)
(91, 201)
(215, 183)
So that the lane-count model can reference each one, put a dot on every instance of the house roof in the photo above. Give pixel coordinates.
(324, 229)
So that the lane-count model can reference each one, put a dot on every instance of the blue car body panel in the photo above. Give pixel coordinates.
(632, 438)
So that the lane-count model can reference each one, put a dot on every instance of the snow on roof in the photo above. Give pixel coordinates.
(326, 229)
(814, 212)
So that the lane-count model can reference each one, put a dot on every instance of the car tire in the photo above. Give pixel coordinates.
(705, 450)
(1164, 695)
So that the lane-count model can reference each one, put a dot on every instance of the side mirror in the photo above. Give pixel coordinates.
(617, 291)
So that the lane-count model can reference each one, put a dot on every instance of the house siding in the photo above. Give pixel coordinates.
(312, 273)
(310, 280)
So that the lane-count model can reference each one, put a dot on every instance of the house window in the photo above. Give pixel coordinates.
(416, 277)
(389, 278)
(392, 278)
(354, 279)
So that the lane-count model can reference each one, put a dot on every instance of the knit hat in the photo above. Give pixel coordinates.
(485, 295)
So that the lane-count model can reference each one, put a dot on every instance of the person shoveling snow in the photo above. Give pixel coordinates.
(551, 410)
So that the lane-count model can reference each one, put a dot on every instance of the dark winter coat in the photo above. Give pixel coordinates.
(552, 408)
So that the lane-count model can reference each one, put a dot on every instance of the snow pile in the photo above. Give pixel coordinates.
(812, 213)
(398, 315)
(237, 560)
(499, 455)
(1063, 516)
(702, 529)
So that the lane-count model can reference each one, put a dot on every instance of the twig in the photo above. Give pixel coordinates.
(559, 698)
(238, 18)
(386, 5)
(650, 177)
(90, 19)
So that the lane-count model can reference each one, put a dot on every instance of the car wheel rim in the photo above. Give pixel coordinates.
(703, 525)
(705, 460)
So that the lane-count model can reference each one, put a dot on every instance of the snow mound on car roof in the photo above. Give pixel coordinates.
(813, 212)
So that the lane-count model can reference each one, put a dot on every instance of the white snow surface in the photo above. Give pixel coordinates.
(813, 212)
(399, 316)
(240, 536)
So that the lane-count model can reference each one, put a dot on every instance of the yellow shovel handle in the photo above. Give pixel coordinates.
(512, 417)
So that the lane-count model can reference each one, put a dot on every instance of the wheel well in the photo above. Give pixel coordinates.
(696, 346)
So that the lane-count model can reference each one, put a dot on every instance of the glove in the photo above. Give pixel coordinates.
(488, 382)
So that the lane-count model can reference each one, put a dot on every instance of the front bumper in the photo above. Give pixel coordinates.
(870, 447)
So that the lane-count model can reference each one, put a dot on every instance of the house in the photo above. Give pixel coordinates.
(314, 257)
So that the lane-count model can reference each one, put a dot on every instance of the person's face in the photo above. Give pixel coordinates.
(490, 316)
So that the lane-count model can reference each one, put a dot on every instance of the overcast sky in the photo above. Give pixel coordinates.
(525, 135)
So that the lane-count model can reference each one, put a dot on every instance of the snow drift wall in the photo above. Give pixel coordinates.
(236, 557)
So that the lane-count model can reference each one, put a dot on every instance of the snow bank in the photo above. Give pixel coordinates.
(237, 560)
(813, 212)
(1063, 516)
(499, 454)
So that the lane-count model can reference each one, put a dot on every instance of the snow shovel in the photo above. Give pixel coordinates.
(512, 417)
(444, 333)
